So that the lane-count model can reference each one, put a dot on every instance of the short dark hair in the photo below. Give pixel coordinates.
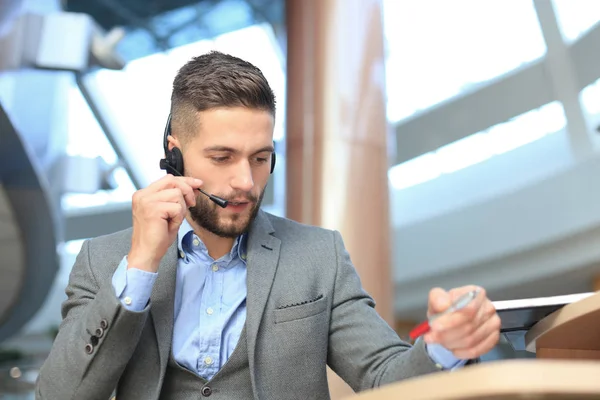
(215, 80)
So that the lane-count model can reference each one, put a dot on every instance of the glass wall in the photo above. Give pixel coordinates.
(439, 50)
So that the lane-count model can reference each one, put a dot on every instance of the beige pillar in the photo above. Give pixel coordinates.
(596, 283)
(336, 145)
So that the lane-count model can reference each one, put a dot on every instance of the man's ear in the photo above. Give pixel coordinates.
(172, 141)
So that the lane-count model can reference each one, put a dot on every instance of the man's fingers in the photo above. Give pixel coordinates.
(461, 322)
(186, 185)
(472, 332)
(170, 181)
(439, 300)
(152, 205)
(457, 292)
(458, 318)
(490, 337)
(150, 202)
(173, 195)
(171, 211)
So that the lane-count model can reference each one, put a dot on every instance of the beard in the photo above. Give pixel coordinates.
(206, 214)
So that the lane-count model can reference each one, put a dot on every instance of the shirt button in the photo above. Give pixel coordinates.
(215, 267)
(208, 360)
(196, 242)
(128, 300)
(209, 311)
(181, 254)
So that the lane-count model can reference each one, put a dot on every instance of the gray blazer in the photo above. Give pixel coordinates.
(305, 309)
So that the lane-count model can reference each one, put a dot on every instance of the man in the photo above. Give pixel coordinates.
(198, 300)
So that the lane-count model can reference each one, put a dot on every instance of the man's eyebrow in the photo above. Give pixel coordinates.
(269, 149)
(220, 148)
(227, 149)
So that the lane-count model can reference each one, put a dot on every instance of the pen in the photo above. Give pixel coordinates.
(459, 304)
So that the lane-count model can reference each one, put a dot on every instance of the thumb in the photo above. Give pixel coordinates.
(439, 300)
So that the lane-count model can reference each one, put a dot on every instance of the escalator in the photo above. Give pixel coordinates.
(28, 232)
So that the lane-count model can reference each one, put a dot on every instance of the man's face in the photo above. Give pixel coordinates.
(231, 153)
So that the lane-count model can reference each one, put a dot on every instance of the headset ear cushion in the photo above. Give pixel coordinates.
(273, 162)
(175, 159)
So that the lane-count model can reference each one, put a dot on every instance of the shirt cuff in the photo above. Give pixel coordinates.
(133, 286)
(444, 357)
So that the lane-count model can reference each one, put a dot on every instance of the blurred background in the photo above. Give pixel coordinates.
(451, 142)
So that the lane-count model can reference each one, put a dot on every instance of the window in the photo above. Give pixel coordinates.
(590, 98)
(438, 49)
(480, 146)
(86, 139)
(576, 17)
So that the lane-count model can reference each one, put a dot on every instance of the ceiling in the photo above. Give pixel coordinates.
(158, 25)
(9, 9)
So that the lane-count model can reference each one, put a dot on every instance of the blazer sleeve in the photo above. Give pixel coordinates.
(363, 349)
(95, 340)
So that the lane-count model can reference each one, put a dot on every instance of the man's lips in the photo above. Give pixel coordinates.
(238, 204)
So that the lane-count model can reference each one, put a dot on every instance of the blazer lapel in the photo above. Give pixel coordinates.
(162, 303)
(262, 259)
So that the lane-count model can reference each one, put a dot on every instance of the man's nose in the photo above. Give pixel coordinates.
(243, 178)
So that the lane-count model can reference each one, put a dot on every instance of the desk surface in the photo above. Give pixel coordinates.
(574, 327)
(513, 379)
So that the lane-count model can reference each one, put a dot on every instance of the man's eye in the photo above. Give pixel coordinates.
(219, 159)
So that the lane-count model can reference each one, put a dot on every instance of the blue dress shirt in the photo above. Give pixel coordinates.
(210, 301)
(210, 304)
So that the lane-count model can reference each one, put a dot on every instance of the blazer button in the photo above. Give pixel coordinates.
(206, 391)
(104, 324)
(99, 332)
(89, 348)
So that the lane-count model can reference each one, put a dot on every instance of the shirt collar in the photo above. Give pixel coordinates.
(238, 249)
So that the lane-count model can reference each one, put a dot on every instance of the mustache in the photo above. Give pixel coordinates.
(239, 196)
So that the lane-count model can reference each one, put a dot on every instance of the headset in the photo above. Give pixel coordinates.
(173, 163)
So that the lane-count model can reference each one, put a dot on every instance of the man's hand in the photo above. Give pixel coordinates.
(468, 333)
(158, 212)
